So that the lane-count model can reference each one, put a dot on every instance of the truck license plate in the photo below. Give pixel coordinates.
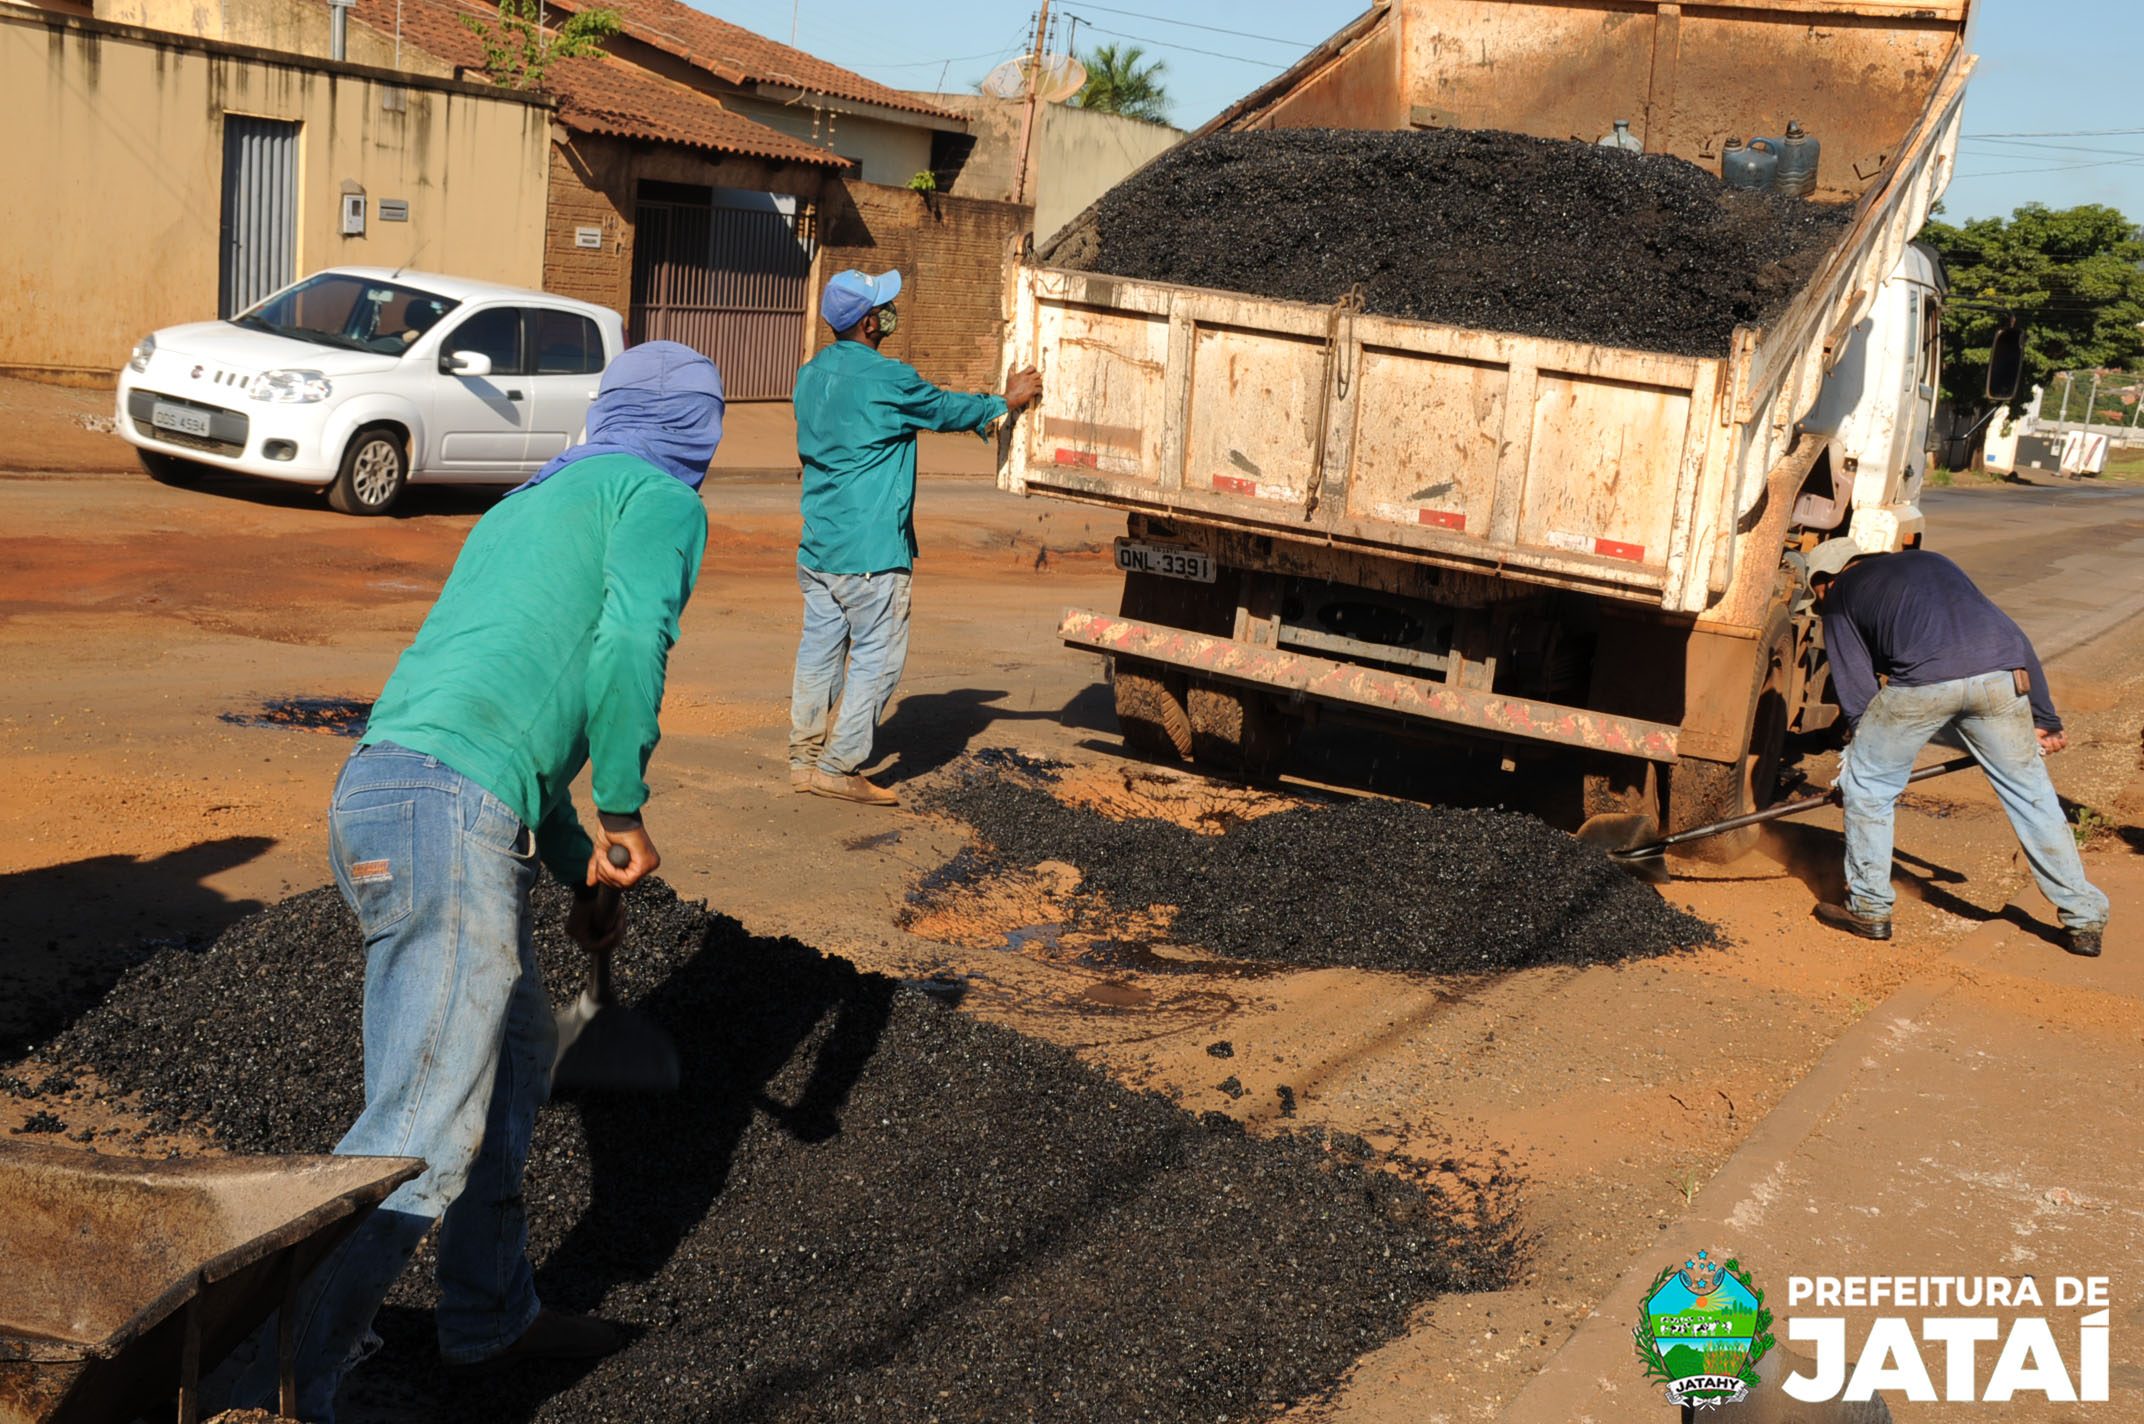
(178, 417)
(1168, 560)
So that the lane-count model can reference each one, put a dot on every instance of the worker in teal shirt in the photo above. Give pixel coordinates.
(545, 653)
(857, 416)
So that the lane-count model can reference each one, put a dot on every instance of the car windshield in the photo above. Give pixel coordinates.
(355, 313)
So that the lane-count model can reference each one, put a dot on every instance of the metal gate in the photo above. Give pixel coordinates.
(727, 273)
(260, 210)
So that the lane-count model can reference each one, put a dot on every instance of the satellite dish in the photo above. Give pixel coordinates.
(1054, 77)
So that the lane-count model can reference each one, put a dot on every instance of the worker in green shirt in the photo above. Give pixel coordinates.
(545, 653)
(857, 416)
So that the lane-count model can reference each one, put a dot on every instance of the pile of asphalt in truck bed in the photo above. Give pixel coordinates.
(1368, 884)
(1493, 231)
(863, 1204)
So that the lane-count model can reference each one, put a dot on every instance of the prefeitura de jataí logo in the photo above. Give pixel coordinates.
(1701, 1331)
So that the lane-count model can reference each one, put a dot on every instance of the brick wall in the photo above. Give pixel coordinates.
(950, 253)
(594, 179)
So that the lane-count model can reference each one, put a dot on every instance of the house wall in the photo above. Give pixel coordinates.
(890, 153)
(280, 25)
(1083, 153)
(594, 181)
(1074, 155)
(117, 169)
(951, 254)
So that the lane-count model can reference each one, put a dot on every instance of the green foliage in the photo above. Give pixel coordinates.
(1117, 83)
(518, 53)
(2075, 277)
(925, 181)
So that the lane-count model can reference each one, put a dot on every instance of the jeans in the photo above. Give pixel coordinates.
(854, 646)
(1995, 723)
(458, 1047)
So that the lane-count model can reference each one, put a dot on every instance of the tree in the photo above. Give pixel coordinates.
(518, 53)
(1117, 83)
(2074, 276)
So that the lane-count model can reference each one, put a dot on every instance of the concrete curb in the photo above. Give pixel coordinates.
(1595, 1377)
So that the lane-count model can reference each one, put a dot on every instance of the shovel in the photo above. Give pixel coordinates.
(1635, 843)
(602, 1044)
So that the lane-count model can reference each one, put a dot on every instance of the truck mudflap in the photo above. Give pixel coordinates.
(1377, 688)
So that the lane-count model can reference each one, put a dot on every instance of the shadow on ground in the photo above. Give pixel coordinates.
(73, 929)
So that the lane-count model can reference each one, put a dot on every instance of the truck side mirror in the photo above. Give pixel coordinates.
(465, 363)
(2006, 364)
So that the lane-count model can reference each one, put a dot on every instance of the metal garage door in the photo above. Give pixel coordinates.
(727, 273)
(260, 210)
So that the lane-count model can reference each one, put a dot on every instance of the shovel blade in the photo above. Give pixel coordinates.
(1618, 831)
(607, 1047)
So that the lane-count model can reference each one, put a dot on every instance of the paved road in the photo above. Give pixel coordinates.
(2066, 562)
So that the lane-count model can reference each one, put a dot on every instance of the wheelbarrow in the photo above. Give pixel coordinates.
(121, 1277)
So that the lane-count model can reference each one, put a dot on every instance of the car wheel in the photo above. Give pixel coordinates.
(168, 469)
(375, 467)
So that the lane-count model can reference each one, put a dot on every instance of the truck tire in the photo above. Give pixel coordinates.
(1701, 792)
(1150, 710)
(1236, 729)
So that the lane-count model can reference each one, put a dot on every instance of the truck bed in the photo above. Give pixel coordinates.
(1623, 473)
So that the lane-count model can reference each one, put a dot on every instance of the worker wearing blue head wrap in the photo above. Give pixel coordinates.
(660, 401)
(545, 653)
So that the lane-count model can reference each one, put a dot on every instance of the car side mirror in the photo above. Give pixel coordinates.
(2006, 364)
(465, 363)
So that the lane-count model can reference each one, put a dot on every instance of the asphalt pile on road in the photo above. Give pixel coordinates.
(1367, 884)
(864, 1204)
(1480, 229)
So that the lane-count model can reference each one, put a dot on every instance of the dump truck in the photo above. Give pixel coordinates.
(1546, 549)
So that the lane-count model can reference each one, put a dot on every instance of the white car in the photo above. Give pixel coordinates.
(364, 379)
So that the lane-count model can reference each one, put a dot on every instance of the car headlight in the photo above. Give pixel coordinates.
(143, 350)
(292, 387)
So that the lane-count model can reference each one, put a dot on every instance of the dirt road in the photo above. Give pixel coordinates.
(135, 620)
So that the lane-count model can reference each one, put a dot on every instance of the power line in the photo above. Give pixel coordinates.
(2009, 145)
(1187, 49)
(1188, 25)
(2060, 133)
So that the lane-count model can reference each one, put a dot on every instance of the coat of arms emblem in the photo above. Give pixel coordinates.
(1702, 1329)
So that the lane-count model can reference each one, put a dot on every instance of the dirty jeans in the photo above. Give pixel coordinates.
(1995, 724)
(854, 646)
(458, 1046)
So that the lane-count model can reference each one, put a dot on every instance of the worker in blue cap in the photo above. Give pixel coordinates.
(545, 653)
(858, 412)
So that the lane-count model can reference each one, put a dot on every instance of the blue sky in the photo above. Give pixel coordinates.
(2047, 71)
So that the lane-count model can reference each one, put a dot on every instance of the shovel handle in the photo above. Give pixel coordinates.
(606, 914)
(1795, 808)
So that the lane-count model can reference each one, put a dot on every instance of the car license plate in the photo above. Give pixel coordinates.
(180, 418)
(1168, 560)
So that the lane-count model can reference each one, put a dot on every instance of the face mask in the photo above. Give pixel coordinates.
(888, 321)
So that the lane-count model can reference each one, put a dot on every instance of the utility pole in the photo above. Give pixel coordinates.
(2091, 404)
(794, 6)
(1034, 80)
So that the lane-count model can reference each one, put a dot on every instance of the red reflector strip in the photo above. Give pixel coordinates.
(1235, 484)
(1442, 518)
(1611, 549)
(1074, 457)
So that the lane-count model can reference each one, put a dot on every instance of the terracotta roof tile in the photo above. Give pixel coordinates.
(735, 54)
(600, 95)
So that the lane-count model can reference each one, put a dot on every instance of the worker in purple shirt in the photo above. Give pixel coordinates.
(1917, 650)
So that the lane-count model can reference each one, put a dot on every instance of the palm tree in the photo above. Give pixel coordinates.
(1117, 83)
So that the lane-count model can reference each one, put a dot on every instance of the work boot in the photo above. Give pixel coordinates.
(799, 779)
(1839, 917)
(850, 788)
(2085, 942)
(555, 1335)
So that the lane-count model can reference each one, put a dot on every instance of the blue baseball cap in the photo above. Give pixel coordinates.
(851, 295)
